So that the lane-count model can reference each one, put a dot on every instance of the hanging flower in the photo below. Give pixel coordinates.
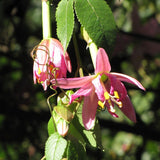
(50, 62)
(104, 89)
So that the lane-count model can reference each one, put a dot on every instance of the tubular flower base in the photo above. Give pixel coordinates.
(50, 62)
(104, 89)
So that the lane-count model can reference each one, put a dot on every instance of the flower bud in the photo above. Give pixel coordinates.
(62, 127)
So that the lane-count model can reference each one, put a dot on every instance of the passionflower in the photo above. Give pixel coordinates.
(50, 62)
(104, 89)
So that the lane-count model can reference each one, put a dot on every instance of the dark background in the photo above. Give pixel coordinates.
(23, 109)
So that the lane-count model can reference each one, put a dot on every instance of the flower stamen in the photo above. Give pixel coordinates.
(39, 71)
(114, 99)
(101, 104)
(106, 95)
(116, 95)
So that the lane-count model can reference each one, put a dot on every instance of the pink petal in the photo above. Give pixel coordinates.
(89, 110)
(99, 88)
(127, 109)
(58, 57)
(55, 50)
(84, 91)
(125, 78)
(41, 58)
(68, 83)
(45, 84)
(102, 61)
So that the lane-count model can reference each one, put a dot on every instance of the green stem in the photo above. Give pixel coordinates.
(79, 62)
(46, 21)
(50, 108)
(92, 46)
(93, 52)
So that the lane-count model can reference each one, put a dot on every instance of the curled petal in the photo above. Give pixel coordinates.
(68, 83)
(128, 109)
(102, 61)
(125, 78)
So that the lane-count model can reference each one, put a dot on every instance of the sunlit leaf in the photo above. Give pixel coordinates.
(55, 147)
(51, 128)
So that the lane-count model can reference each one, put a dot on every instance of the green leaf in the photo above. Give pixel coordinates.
(71, 152)
(51, 129)
(55, 147)
(97, 19)
(65, 22)
(75, 151)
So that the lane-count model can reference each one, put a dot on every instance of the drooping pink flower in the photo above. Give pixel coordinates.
(50, 62)
(104, 89)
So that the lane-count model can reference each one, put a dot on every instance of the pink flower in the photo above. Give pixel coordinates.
(104, 89)
(50, 62)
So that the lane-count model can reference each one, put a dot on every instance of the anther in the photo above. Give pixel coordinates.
(39, 71)
(116, 95)
(101, 104)
(106, 95)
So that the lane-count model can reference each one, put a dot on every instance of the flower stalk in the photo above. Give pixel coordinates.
(93, 52)
(46, 22)
(92, 46)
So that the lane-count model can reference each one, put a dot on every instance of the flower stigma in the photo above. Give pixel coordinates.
(104, 78)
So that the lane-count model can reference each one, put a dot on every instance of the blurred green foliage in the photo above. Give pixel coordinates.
(24, 112)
